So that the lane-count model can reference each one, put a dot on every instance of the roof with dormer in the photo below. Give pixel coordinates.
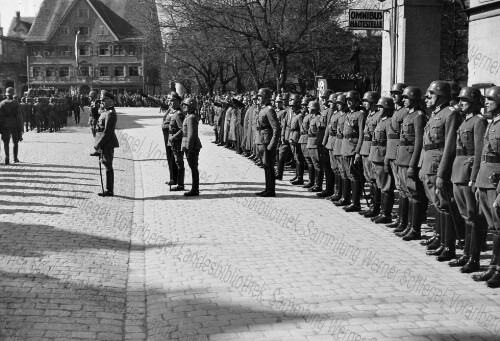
(26, 21)
(124, 18)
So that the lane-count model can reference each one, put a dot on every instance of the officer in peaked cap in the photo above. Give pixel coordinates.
(175, 102)
(470, 138)
(175, 140)
(268, 132)
(106, 140)
(488, 185)
(436, 162)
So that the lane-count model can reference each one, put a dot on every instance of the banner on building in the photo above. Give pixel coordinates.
(366, 19)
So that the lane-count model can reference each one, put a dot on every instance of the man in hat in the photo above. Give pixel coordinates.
(106, 140)
(175, 102)
(175, 140)
(11, 124)
(191, 143)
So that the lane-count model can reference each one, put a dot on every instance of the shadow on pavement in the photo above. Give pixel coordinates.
(28, 188)
(31, 204)
(19, 194)
(52, 183)
(16, 211)
(52, 166)
(42, 238)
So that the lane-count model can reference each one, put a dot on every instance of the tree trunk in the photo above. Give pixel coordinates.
(282, 71)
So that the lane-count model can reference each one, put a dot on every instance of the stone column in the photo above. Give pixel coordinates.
(418, 43)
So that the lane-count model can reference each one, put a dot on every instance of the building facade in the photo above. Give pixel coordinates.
(76, 46)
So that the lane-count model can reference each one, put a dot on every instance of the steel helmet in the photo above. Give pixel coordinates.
(286, 97)
(455, 88)
(412, 92)
(326, 93)
(398, 87)
(190, 102)
(493, 94)
(353, 94)
(305, 101)
(440, 88)
(313, 105)
(294, 103)
(371, 96)
(332, 98)
(265, 93)
(470, 94)
(341, 99)
(279, 98)
(386, 103)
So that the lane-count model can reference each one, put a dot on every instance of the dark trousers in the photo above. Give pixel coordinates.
(107, 162)
(268, 156)
(172, 167)
(192, 160)
(179, 162)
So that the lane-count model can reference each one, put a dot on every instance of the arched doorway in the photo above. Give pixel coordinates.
(9, 84)
(84, 90)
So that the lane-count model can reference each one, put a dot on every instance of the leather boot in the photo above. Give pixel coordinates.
(403, 216)
(484, 276)
(300, 174)
(318, 184)
(436, 244)
(450, 240)
(369, 211)
(312, 175)
(494, 281)
(280, 169)
(346, 194)
(416, 222)
(337, 195)
(356, 197)
(409, 227)
(16, 152)
(465, 256)
(474, 251)
(398, 220)
(328, 174)
(386, 212)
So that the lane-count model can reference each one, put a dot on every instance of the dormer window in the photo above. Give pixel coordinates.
(83, 13)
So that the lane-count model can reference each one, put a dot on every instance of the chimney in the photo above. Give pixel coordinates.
(18, 17)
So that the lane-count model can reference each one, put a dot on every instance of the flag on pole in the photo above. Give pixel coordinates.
(76, 49)
(180, 89)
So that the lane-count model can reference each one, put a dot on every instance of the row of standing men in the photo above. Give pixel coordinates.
(450, 158)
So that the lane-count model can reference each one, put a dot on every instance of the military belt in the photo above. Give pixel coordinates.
(392, 136)
(311, 135)
(461, 152)
(333, 133)
(382, 143)
(431, 146)
(368, 138)
(295, 129)
(407, 143)
(352, 136)
(491, 158)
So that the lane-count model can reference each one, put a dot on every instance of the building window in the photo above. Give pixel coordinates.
(103, 50)
(84, 70)
(83, 13)
(84, 30)
(50, 72)
(63, 31)
(37, 71)
(119, 50)
(84, 50)
(64, 71)
(133, 71)
(119, 71)
(35, 51)
(104, 71)
(101, 30)
(50, 51)
(64, 50)
(132, 50)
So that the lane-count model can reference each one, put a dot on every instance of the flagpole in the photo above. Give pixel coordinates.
(77, 69)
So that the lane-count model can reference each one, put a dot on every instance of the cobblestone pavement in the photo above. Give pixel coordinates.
(155, 265)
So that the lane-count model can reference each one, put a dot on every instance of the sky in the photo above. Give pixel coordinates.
(8, 8)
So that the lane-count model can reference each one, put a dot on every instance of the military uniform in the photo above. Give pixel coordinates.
(439, 147)
(351, 145)
(172, 167)
(191, 145)
(94, 115)
(175, 139)
(407, 157)
(326, 115)
(268, 132)
(293, 137)
(329, 144)
(316, 133)
(345, 197)
(106, 142)
(304, 131)
(284, 117)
